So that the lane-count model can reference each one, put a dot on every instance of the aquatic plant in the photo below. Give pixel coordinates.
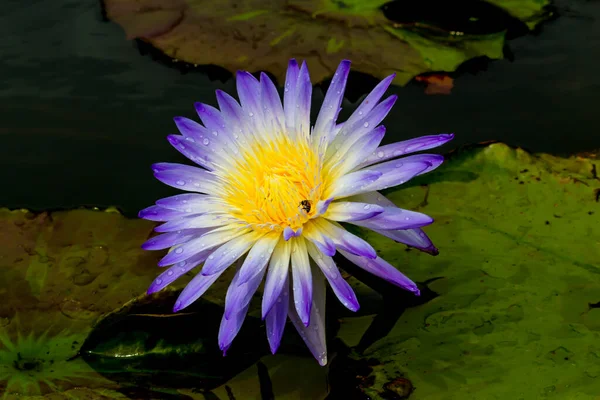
(274, 187)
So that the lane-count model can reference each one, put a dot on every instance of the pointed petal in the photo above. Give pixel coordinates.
(233, 115)
(204, 242)
(392, 175)
(340, 287)
(272, 109)
(276, 275)
(196, 288)
(258, 257)
(398, 149)
(239, 294)
(323, 243)
(158, 213)
(220, 141)
(302, 114)
(331, 104)
(229, 328)
(175, 271)
(248, 89)
(277, 316)
(371, 100)
(229, 252)
(365, 146)
(353, 183)
(194, 221)
(349, 211)
(395, 218)
(166, 240)
(384, 270)
(301, 280)
(288, 233)
(186, 177)
(191, 151)
(345, 240)
(188, 203)
(313, 334)
(290, 95)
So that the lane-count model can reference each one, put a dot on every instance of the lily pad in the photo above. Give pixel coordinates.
(257, 35)
(518, 282)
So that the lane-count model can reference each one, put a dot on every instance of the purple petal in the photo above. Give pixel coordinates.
(194, 221)
(313, 334)
(258, 257)
(232, 113)
(340, 287)
(190, 129)
(175, 271)
(157, 213)
(288, 233)
(323, 243)
(392, 174)
(207, 241)
(239, 294)
(353, 183)
(301, 280)
(398, 149)
(351, 134)
(188, 203)
(215, 124)
(345, 240)
(191, 150)
(248, 89)
(411, 237)
(349, 211)
(323, 205)
(272, 109)
(276, 276)
(196, 288)
(371, 100)
(331, 104)
(166, 240)
(304, 91)
(359, 151)
(290, 94)
(228, 253)
(276, 318)
(230, 327)
(396, 218)
(384, 270)
(186, 177)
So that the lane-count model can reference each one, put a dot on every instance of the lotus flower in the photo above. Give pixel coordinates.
(269, 194)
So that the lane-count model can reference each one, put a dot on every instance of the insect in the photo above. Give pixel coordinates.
(306, 205)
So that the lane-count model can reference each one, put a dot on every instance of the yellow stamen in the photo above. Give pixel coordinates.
(275, 183)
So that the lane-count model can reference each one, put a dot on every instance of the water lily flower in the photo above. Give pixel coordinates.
(269, 194)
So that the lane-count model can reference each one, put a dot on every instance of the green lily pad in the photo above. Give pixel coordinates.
(257, 35)
(518, 289)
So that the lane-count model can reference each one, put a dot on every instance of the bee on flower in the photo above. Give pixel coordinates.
(268, 195)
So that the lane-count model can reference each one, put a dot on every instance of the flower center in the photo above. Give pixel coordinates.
(275, 184)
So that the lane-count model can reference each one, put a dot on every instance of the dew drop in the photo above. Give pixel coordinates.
(397, 153)
(189, 139)
(251, 114)
(188, 210)
(169, 272)
(181, 182)
(367, 206)
(399, 165)
(179, 250)
(158, 281)
(206, 141)
(215, 133)
(366, 124)
(406, 218)
(197, 184)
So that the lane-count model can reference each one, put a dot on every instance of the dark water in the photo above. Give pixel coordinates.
(83, 115)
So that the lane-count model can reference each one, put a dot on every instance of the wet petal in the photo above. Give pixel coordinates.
(304, 93)
(398, 149)
(340, 287)
(301, 280)
(196, 288)
(272, 109)
(186, 177)
(345, 240)
(290, 96)
(349, 211)
(276, 318)
(239, 294)
(353, 183)
(384, 270)
(175, 271)
(276, 275)
(194, 221)
(188, 203)
(313, 334)
(395, 218)
(228, 253)
(229, 328)
(330, 108)
(191, 150)
(166, 240)
(158, 213)
(371, 100)
(258, 257)
(248, 89)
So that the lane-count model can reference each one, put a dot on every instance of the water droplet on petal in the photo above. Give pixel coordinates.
(178, 250)
(399, 165)
(397, 153)
(380, 154)
(367, 206)
(251, 114)
(211, 257)
(206, 141)
(181, 182)
(169, 272)
(366, 124)
(158, 281)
